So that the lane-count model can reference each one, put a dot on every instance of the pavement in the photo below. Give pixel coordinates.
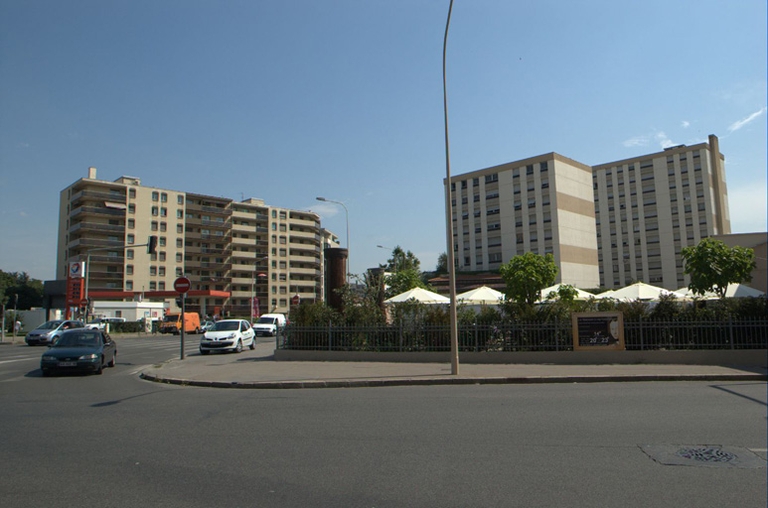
(258, 369)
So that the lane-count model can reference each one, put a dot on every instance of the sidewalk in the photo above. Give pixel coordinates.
(258, 369)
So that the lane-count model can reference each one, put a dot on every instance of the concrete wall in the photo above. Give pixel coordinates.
(740, 357)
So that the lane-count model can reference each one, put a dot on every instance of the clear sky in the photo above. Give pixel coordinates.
(287, 100)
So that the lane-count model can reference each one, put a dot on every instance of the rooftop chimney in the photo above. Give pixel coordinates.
(92, 173)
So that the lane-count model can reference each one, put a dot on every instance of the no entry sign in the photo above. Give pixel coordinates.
(182, 285)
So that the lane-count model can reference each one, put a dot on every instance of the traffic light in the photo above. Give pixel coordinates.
(178, 302)
(152, 244)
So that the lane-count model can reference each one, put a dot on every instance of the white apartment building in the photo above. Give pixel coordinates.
(231, 251)
(606, 226)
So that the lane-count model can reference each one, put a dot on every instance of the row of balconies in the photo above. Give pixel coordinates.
(94, 195)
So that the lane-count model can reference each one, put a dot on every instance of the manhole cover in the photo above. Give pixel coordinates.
(704, 456)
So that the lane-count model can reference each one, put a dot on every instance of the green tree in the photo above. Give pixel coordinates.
(526, 275)
(403, 280)
(713, 265)
(442, 264)
(402, 260)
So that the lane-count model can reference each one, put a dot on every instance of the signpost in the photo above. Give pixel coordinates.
(182, 285)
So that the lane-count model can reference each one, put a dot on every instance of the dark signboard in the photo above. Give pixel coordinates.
(598, 330)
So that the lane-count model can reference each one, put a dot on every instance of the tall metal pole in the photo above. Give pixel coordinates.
(449, 216)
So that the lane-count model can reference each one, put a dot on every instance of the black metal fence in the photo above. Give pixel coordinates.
(522, 336)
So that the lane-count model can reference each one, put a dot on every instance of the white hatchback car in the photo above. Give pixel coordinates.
(228, 335)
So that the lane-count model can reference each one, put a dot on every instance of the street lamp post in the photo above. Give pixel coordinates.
(346, 212)
(449, 214)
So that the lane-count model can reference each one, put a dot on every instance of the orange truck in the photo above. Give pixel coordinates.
(172, 323)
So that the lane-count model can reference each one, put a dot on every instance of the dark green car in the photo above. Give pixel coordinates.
(80, 350)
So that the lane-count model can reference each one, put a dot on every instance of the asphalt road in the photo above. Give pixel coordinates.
(117, 441)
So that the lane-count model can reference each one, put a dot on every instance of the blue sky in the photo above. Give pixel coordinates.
(287, 100)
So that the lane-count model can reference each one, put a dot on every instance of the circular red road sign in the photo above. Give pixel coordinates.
(182, 285)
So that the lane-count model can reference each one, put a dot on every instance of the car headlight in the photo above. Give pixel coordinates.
(232, 335)
(49, 358)
(91, 357)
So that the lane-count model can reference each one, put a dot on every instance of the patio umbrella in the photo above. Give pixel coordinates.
(580, 295)
(481, 296)
(733, 291)
(640, 291)
(419, 295)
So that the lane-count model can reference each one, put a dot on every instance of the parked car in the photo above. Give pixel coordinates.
(228, 335)
(96, 325)
(49, 331)
(80, 350)
(269, 324)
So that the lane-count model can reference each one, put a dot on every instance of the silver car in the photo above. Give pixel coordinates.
(49, 331)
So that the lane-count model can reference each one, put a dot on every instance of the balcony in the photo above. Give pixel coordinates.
(93, 243)
(97, 227)
(84, 211)
(95, 195)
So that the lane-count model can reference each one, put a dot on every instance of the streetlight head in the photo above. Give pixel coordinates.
(320, 199)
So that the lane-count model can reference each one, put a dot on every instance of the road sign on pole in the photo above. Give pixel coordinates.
(182, 285)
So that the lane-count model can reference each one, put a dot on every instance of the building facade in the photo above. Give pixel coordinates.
(240, 251)
(606, 226)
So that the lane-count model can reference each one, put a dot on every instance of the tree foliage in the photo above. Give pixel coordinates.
(442, 264)
(402, 260)
(526, 275)
(713, 265)
(29, 290)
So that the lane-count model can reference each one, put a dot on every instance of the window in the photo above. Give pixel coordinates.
(180, 200)
(161, 241)
(153, 270)
(179, 214)
(179, 243)
(153, 225)
(155, 211)
(129, 254)
(163, 212)
(131, 208)
(155, 196)
(163, 226)
(179, 228)
(129, 239)
(129, 285)
(163, 197)
(131, 223)
(132, 193)
(129, 269)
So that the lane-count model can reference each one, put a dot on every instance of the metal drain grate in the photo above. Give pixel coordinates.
(704, 456)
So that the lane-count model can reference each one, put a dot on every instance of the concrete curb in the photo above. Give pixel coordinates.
(369, 383)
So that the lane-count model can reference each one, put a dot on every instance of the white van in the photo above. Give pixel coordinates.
(268, 325)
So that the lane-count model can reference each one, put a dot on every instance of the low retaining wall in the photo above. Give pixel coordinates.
(741, 357)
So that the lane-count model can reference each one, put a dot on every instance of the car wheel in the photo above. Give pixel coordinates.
(239, 347)
(46, 373)
(253, 343)
(113, 361)
(204, 351)
(100, 369)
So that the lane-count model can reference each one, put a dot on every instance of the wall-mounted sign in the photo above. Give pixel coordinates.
(598, 330)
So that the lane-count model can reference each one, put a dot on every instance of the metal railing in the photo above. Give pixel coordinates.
(522, 336)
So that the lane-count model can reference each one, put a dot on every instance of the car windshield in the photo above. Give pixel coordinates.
(49, 325)
(171, 319)
(266, 320)
(225, 326)
(80, 339)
